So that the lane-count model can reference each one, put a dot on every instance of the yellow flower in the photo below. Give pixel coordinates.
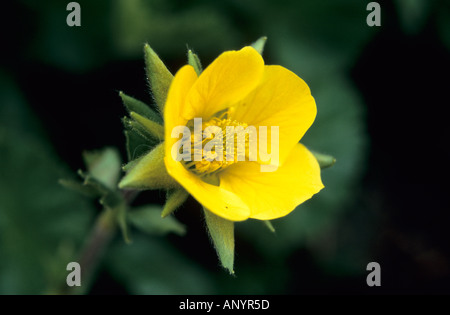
(237, 89)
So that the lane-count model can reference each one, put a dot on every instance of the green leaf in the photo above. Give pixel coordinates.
(175, 199)
(92, 187)
(109, 197)
(148, 219)
(158, 75)
(324, 159)
(259, 44)
(78, 187)
(94, 184)
(134, 105)
(221, 232)
(194, 61)
(104, 165)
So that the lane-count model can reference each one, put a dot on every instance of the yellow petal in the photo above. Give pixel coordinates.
(210, 196)
(219, 201)
(281, 99)
(271, 195)
(175, 109)
(225, 81)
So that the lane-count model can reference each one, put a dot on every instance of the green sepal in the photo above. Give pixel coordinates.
(134, 126)
(269, 225)
(324, 159)
(152, 128)
(146, 128)
(194, 61)
(134, 105)
(221, 232)
(148, 220)
(175, 199)
(259, 44)
(149, 172)
(159, 77)
(127, 167)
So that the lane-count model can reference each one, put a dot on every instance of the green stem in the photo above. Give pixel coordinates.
(90, 256)
(101, 235)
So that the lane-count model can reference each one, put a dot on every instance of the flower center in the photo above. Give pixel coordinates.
(222, 142)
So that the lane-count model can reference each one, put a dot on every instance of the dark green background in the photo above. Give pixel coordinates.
(381, 94)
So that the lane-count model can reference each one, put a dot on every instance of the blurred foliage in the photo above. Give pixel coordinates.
(170, 26)
(153, 266)
(148, 219)
(42, 225)
(413, 14)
